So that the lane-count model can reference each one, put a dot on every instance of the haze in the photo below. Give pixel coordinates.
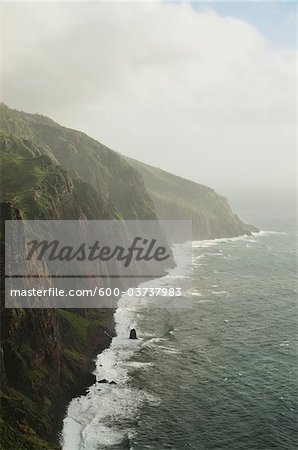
(194, 89)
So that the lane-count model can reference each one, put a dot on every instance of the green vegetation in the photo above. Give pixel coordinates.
(19, 178)
(11, 439)
(77, 324)
(18, 174)
(51, 172)
(107, 185)
(36, 185)
(20, 410)
(177, 198)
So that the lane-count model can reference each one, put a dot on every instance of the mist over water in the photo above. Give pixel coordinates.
(270, 210)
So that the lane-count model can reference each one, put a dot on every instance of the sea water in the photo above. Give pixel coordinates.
(221, 375)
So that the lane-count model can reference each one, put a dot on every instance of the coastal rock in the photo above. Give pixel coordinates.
(133, 334)
(103, 381)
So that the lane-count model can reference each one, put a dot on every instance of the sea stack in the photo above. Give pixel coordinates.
(133, 334)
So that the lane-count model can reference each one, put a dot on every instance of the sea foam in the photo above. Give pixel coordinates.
(103, 418)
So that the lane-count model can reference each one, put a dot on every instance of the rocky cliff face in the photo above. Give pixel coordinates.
(116, 186)
(112, 179)
(177, 198)
(36, 185)
(51, 172)
(47, 355)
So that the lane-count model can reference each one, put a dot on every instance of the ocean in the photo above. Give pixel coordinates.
(219, 375)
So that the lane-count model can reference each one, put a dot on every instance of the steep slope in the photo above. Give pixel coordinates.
(177, 198)
(47, 355)
(119, 187)
(51, 172)
(114, 177)
(36, 185)
(46, 359)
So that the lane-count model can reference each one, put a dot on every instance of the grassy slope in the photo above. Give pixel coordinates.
(12, 439)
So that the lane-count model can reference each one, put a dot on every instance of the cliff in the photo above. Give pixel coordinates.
(175, 197)
(47, 355)
(112, 179)
(51, 172)
(115, 185)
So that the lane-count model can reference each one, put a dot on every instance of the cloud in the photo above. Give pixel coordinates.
(195, 93)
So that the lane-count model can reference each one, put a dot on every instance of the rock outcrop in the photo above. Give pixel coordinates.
(133, 334)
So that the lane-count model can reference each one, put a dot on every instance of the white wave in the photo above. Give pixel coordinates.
(169, 350)
(197, 294)
(96, 420)
(90, 419)
(200, 256)
(152, 342)
(251, 238)
(268, 233)
(212, 242)
(285, 344)
(175, 276)
(139, 365)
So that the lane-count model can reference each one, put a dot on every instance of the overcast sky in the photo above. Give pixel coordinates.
(206, 91)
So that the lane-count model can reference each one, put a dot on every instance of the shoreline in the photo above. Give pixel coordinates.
(99, 373)
(112, 365)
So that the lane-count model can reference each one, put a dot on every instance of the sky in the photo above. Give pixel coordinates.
(203, 90)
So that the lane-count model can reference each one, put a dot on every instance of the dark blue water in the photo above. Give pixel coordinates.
(224, 373)
(221, 375)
